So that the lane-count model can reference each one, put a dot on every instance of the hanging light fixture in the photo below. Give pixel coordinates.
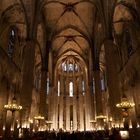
(125, 104)
(101, 117)
(39, 117)
(13, 106)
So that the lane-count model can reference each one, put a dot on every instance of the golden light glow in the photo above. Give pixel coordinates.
(101, 117)
(125, 105)
(41, 129)
(92, 121)
(26, 125)
(100, 128)
(138, 125)
(12, 129)
(39, 117)
(124, 134)
(110, 119)
(31, 120)
(3, 128)
(49, 122)
(13, 107)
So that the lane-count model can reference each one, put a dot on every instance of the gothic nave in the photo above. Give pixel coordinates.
(69, 65)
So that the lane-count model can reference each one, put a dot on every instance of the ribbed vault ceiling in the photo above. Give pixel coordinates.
(71, 23)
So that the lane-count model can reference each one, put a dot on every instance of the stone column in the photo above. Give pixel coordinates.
(42, 92)
(81, 112)
(91, 98)
(61, 101)
(67, 102)
(51, 114)
(75, 101)
(98, 94)
(98, 98)
(89, 80)
(92, 102)
(112, 79)
(64, 103)
(51, 106)
(27, 79)
(56, 99)
(80, 104)
(87, 104)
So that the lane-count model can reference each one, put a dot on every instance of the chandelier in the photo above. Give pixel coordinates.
(13, 106)
(101, 117)
(125, 104)
(92, 121)
(39, 117)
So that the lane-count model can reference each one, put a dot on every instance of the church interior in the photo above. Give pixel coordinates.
(69, 66)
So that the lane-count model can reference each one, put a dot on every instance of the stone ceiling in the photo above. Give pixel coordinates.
(72, 24)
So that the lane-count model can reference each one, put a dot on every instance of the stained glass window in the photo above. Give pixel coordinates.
(102, 85)
(93, 86)
(47, 86)
(13, 33)
(83, 87)
(71, 89)
(75, 67)
(11, 42)
(70, 67)
(58, 88)
(64, 67)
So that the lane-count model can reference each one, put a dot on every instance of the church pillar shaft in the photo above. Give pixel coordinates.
(61, 101)
(98, 94)
(75, 107)
(81, 113)
(87, 104)
(27, 79)
(113, 79)
(67, 103)
(42, 109)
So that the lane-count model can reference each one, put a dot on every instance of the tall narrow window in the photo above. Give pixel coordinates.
(70, 67)
(58, 88)
(64, 67)
(102, 85)
(75, 67)
(11, 42)
(93, 86)
(47, 86)
(71, 89)
(83, 87)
